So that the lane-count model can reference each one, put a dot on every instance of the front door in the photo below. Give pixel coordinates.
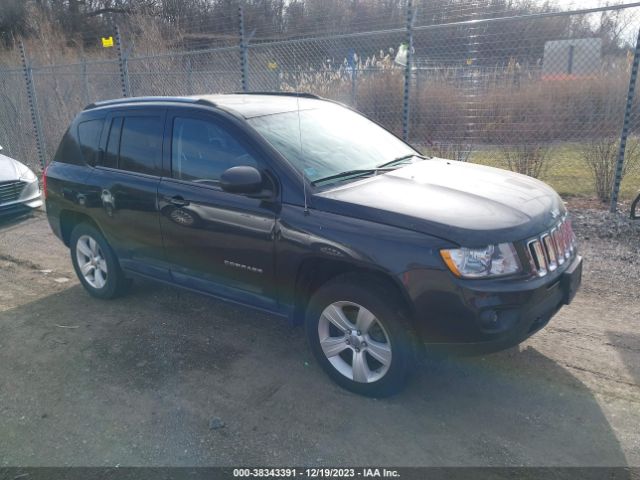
(215, 241)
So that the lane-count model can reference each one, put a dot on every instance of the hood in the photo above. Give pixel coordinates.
(471, 205)
(10, 169)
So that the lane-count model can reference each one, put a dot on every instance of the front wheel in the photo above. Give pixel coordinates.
(362, 342)
(95, 263)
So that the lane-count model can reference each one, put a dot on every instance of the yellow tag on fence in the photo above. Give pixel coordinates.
(272, 65)
(107, 42)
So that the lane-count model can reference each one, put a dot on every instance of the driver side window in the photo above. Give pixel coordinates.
(201, 151)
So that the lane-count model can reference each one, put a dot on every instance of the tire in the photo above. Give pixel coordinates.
(102, 278)
(366, 304)
(635, 208)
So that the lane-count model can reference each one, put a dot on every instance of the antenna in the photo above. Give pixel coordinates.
(304, 181)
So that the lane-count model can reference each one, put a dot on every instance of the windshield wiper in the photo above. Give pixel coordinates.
(352, 173)
(385, 167)
(402, 159)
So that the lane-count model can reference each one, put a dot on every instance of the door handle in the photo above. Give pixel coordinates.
(178, 201)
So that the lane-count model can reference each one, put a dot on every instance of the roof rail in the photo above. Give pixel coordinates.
(129, 100)
(282, 94)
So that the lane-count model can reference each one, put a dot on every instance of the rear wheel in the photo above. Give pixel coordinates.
(362, 342)
(95, 263)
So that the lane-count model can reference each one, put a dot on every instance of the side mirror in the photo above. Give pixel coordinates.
(243, 179)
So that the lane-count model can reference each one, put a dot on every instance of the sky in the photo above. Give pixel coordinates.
(579, 4)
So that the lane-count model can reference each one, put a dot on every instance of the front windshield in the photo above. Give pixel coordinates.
(334, 140)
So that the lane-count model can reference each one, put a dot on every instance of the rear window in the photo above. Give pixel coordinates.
(89, 137)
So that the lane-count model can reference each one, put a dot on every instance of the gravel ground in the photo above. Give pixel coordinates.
(164, 377)
(611, 243)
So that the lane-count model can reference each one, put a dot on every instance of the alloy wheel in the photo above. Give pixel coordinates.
(354, 341)
(91, 261)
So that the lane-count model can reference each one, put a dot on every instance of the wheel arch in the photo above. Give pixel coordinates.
(317, 271)
(69, 219)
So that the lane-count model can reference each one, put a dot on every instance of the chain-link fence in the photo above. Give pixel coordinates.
(542, 94)
(17, 136)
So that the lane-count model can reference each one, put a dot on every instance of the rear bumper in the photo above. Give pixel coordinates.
(475, 318)
(53, 217)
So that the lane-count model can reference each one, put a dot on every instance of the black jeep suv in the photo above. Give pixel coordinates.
(301, 207)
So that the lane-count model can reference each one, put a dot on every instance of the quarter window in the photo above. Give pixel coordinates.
(89, 136)
(201, 151)
(68, 150)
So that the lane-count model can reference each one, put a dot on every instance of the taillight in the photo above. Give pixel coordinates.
(44, 181)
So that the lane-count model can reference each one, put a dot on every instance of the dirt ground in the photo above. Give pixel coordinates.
(144, 379)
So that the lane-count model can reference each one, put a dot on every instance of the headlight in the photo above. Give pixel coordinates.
(28, 176)
(31, 189)
(492, 261)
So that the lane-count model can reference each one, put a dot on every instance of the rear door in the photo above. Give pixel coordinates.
(215, 241)
(128, 174)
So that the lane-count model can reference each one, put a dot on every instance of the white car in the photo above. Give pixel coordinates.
(19, 189)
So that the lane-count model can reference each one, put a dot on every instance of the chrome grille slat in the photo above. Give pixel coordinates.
(558, 245)
(552, 248)
(549, 252)
(10, 191)
(538, 257)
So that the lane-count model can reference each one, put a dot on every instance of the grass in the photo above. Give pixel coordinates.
(567, 172)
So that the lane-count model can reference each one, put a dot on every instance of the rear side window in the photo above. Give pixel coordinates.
(140, 144)
(89, 137)
(110, 158)
(201, 150)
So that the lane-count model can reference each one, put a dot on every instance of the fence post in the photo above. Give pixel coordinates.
(625, 127)
(189, 76)
(407, 72)
(33, 106)
(243, 51)
(122, 63)
(85, 82)
(354, 82)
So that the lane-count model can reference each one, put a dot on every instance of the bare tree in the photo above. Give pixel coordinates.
(601, 157)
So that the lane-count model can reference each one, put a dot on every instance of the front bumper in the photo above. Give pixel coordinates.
(27, 198)
(20, 207)
(476, 317)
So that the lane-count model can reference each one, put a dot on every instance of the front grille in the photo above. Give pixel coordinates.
(10, 191)
(552, 248)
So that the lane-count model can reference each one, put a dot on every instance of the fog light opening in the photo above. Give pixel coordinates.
(489, 320)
